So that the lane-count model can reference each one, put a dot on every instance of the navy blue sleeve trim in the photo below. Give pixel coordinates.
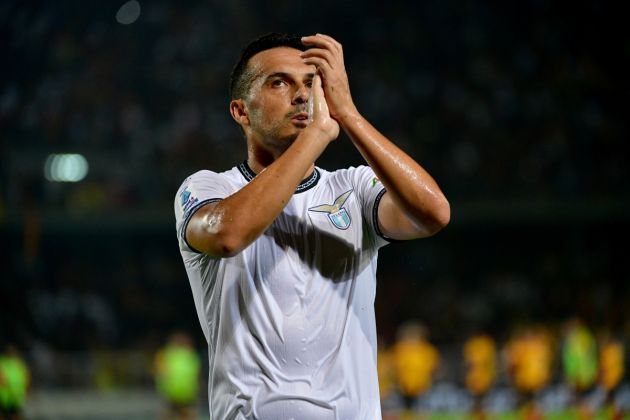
(375, 216)
(189, 215)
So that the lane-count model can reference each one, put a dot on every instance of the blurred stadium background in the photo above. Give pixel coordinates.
(519, 110)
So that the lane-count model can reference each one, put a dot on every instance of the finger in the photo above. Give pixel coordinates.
(320, 107)
(316, 98)
(332, 40)
(318, 41)
(311, 98)
(321, 64)
(321, 53)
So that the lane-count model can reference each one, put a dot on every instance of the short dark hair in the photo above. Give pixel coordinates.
(240, 78)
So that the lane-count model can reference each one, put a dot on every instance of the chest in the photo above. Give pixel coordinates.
(326, 215)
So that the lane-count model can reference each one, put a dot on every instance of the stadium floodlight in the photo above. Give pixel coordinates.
(128, 13)
(67, 167)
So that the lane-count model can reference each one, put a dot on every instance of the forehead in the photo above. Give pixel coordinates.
(279, 60)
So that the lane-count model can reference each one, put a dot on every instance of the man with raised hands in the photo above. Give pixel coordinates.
(281, 255)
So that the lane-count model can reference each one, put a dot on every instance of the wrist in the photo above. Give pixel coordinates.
(316, 133)
(348, 116)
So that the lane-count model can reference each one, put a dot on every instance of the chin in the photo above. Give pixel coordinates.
(290, 136)
(288, 140)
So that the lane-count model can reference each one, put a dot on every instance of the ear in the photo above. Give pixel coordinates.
(239, 112)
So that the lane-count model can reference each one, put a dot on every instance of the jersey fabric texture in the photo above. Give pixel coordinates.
(290, 320)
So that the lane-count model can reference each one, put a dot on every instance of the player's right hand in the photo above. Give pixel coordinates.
(318, 113)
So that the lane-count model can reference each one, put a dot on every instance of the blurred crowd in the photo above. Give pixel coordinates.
(535, 372)
(499, 101)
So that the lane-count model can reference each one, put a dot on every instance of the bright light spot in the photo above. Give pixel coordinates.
(65, 168)
(128, 12)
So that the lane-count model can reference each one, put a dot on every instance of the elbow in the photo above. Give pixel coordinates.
(213, 234)
(443, 214)
(225, 245)
(438, 218)
(214, 239)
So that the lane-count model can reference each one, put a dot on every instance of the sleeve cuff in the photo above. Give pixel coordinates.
(189, 214)
(377, 229)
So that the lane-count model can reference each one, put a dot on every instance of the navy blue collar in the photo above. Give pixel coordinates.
(306, 184)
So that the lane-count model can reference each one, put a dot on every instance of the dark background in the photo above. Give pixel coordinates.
(518, 110)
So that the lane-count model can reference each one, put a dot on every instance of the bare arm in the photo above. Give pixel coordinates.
(224, 228)
(414, 206)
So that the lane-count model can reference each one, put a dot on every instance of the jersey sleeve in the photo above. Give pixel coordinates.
(197, 190)
(369, 192)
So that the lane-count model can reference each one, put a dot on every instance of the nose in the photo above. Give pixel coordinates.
(301, 95)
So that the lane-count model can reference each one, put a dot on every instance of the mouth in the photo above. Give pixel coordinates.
(301, 118)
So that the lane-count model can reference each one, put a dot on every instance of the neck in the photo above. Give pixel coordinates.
(258, 166)
(258, 159)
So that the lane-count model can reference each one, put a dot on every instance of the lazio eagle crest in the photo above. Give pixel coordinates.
(336, 213)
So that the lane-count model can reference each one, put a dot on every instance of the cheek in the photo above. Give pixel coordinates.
(267, 109)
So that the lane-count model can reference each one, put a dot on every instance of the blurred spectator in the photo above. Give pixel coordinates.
(415, 361)
(15, 380)
(177, 368)
(611, 370)
(386, 379)
(579, 360)
(529, 357)
(480, 360)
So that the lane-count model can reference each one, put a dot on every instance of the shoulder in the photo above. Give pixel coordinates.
(349, 172)
(360, 177)
(206, 175)
(361, 171)
(205, 185)
(207, 178)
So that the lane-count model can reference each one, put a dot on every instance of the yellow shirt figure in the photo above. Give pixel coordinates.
(385, 371)
(415, 361)
(480, 356)
(529, 358)
(611, 364)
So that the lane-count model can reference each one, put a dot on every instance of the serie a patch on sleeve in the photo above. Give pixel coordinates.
(188, 198)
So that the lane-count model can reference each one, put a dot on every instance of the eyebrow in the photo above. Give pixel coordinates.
(284, 75)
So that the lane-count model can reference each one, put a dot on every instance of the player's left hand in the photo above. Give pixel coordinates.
(327, 55)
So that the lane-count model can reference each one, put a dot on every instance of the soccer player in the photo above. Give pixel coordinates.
(529, 358)
(579, 360)
(611, 370)
(480, 354)
(281, 255)
(15, 381)
(416, 361)
(177, 369)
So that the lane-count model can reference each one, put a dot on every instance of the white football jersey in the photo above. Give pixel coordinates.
(290, 320)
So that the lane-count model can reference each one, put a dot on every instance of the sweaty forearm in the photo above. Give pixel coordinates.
(411, 187)
(229, 226)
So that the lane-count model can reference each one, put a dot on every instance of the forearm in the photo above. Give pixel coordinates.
(412, 189)
(229, 226)
(414, 206)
